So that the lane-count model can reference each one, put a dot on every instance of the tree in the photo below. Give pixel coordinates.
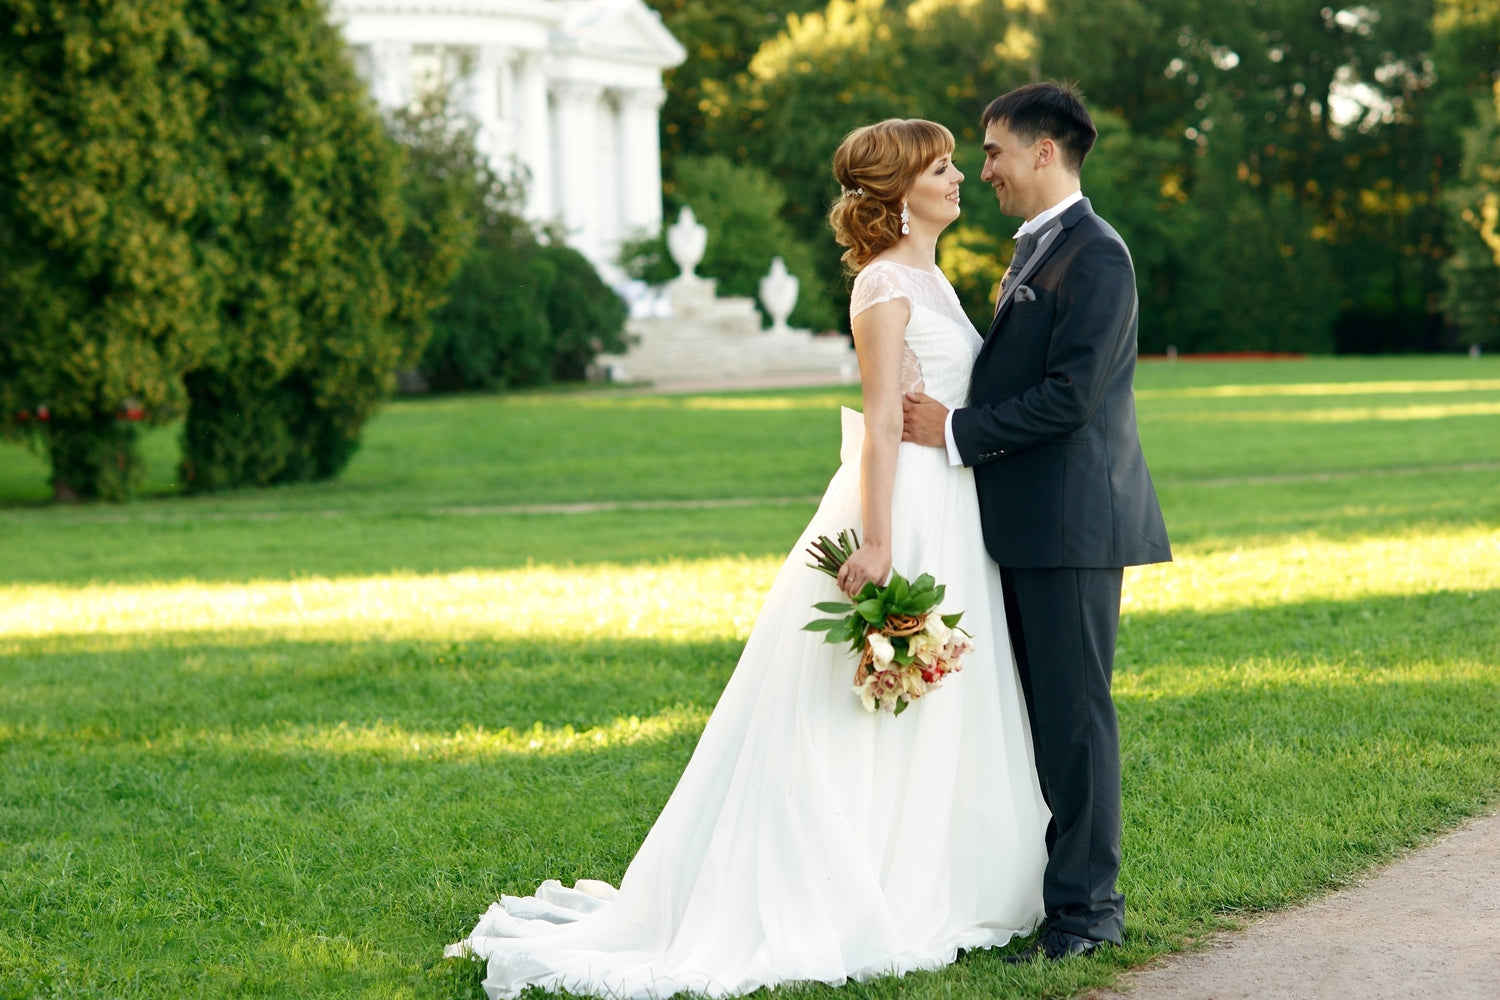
(311, 214)
(1329, 131)
(110, 263)
(1473, 272)
(720, 39)
(208, 217)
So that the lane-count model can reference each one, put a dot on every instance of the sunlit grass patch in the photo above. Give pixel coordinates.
(1386, 388)
(695, 600)
(676, 600)
(394, 742)
(1301, 569)
(1345, 414)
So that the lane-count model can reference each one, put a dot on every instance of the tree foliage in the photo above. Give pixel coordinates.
(110, 263)
(310, 212)
(720, 39)
(208, 217)
(1304, 146)
(1473, 294)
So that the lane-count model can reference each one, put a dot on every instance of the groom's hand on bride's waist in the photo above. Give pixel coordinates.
(923, 420)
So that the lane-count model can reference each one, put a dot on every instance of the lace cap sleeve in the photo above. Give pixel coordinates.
(875, 284)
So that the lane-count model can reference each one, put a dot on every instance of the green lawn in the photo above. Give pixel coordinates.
(291, 742)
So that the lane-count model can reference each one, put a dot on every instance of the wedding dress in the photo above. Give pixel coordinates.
(808, 838)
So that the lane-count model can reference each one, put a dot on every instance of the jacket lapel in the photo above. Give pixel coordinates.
(1070, 218)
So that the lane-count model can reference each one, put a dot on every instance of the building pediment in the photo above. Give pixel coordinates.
(618, 29)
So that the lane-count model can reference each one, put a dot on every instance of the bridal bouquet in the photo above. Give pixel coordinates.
(905, 647)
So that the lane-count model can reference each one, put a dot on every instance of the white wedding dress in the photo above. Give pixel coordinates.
(809, 839)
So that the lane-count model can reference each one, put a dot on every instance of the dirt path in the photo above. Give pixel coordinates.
(1426, 927)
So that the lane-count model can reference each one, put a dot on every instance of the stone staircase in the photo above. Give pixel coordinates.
(709, 339)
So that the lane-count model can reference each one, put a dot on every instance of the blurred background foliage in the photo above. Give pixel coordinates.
(207, 219)
(1291, 175)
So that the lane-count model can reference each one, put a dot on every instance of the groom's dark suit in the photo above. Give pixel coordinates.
(1067, 502)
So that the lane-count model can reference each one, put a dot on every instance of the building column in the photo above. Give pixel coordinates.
(535, 140)
(390, 63)
(507, 107)
(640, 158)
(577, 107)
(483, 86)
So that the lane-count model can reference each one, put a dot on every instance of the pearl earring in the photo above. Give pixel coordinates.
(905, 219)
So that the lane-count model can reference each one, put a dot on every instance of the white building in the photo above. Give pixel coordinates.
(568, 90)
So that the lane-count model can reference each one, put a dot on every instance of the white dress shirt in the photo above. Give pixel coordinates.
(1031, 225)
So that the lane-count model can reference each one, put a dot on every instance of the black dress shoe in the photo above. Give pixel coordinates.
(1055, 945)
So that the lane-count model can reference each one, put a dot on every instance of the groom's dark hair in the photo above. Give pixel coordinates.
(1046, 111)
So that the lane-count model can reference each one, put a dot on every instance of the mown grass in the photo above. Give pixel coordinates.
(290, 743)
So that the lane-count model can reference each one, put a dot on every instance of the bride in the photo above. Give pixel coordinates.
(808, 838)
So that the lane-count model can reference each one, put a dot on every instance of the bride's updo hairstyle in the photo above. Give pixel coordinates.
(876, 166)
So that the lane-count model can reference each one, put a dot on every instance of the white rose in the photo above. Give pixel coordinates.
(880, 648)
(934, 627)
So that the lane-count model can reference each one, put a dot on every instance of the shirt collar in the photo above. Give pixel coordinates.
(1040, 221)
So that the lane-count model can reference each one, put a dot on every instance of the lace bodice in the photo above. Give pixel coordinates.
(941, 343)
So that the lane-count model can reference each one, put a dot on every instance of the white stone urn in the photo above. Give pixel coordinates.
(778, 293)
(686, 240)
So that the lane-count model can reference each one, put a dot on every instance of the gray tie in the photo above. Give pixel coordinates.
(1025, 247)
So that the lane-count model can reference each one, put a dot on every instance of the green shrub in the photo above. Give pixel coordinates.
(493, 331)
(585, 315)
(520, 313)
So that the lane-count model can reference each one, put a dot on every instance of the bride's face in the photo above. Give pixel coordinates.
(933, 198)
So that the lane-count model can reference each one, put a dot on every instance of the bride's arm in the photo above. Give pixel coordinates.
(879, 340)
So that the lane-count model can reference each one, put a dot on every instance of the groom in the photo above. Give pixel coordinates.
(1064, 494)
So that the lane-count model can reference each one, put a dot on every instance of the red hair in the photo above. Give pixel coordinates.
(876, 165)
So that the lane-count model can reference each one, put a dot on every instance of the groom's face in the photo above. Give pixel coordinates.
(1010, 168)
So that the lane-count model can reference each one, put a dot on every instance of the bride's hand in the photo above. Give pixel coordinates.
(870, 563)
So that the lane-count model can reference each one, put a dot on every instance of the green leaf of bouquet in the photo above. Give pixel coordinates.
(923, 582)
(822, 624)
(939, 590)
(918, 602)
(952, 620)
(835, 607)
(897, 590)
(872, 610)
(901, 704)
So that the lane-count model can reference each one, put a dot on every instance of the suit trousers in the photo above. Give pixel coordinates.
(1063, 624)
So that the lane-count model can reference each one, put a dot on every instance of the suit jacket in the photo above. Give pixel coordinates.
(1050, 428)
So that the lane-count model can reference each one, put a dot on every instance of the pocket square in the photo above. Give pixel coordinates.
(1025, 294)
